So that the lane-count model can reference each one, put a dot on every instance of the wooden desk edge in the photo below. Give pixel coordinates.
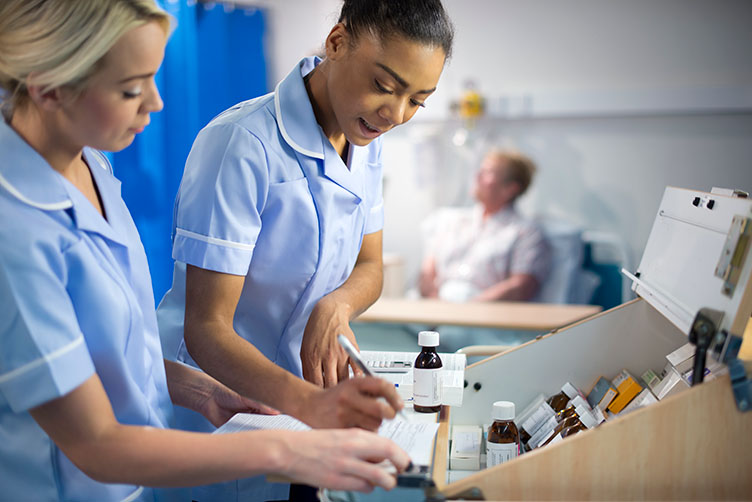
(419, 312)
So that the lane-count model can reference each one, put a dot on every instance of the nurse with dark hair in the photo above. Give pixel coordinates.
(278, 222)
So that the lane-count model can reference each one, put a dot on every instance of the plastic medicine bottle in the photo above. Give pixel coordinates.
(427, 380)
(503, 441)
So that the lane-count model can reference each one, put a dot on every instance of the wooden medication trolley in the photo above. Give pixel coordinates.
(693, 282)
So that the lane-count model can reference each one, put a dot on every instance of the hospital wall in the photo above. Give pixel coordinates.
(613, 100)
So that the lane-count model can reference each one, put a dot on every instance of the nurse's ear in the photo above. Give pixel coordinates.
(50, 100)
(337, 42)
(47, 100)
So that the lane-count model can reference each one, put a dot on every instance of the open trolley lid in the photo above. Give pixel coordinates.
(697, 257)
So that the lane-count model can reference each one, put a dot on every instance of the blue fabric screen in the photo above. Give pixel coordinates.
(214, 59)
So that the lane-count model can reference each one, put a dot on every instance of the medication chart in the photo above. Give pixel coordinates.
(415, 437)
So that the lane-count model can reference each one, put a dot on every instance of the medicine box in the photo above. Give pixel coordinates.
(650, 379)
(466, 444)
(644, 398)
(627, 388)
(602, 393)
(672, 384)
(682, 358)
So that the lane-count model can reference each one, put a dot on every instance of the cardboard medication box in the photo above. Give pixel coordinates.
(602, 393)
(627, 389)
(692, 445)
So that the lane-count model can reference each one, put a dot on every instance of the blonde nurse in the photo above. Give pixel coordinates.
(85, 395)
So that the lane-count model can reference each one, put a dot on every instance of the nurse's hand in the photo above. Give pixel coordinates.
(324, 362)
(357, 402)
(200, 392)
(342, 460)
(223, 403)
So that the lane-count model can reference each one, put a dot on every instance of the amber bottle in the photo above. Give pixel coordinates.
(559, 401)
(427, 377)
(503, 442)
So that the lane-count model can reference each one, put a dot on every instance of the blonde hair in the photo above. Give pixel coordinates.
(520, 168)
(56, 43)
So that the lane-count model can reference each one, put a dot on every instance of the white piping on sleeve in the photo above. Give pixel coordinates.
(135, 495)
(214, 240)
(38, 362)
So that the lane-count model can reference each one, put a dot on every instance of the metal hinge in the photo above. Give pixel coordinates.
(734, 251)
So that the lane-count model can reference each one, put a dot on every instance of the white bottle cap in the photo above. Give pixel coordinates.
(569, 390)
(428, 338)
(503, 410)
(579, 401)
(588, 420)
(581, 410)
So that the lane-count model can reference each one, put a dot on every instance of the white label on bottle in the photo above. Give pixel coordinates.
(558, 438)
(539, 416)
(543, 439)
(543, 432)
(499, 453)
(427, 387)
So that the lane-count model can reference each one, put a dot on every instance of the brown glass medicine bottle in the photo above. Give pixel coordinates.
(503, 442)
(427, 379)
(570, 409)
(587, 421)
(559, 401)
(570, 421)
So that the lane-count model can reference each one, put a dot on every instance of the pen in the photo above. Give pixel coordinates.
(355, 357)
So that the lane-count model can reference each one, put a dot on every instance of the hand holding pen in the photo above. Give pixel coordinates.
(358, 362)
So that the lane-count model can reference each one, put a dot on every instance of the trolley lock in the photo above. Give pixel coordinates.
(702, 334)
(724, 347)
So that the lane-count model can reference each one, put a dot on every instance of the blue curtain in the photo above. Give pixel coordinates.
(214, 59)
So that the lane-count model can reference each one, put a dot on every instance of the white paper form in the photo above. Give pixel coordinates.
(413, 437)
(251, 422)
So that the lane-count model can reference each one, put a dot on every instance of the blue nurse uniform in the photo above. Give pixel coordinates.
(264, 195)
(75, 298)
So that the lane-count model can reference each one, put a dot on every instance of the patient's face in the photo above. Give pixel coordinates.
(490, 181)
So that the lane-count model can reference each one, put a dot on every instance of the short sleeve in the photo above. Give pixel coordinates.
(531, 253)
(221, 197)
(44, 354)
(375, 191)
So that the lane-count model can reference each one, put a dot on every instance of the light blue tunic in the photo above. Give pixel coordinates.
(265, 195)
(75, 298)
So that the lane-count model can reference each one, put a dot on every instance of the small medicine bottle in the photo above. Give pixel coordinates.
(570, 421)
(587, 421)
(559, 401)
(427, 380)
(570, 409)
(529, 426)
(503, 441)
